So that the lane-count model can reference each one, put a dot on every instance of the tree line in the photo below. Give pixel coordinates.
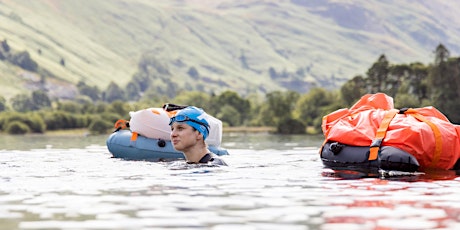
(411, 85)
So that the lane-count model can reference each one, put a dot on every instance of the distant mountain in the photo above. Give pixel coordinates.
(246, 46)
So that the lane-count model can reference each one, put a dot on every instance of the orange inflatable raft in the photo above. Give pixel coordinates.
(373, 134)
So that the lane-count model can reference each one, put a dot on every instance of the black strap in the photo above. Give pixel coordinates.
(171, 107)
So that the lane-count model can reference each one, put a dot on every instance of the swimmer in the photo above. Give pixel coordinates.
(189, 130)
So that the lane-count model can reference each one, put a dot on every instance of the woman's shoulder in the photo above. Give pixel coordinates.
(211, 158)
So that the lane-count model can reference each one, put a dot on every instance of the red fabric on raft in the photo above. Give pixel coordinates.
(358, 125)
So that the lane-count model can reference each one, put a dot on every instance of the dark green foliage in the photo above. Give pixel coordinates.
(17, 128)
(112, 117)
(313, 106)
(40, 100)
(196, 98)
(413, 85)
(92, 92)
(33, 121)
(99, 126)
(22, 103)
(56, 120)
(444, 82)
(113, 93)
(118, 108)
(2, 104)
(278, 106)
(378, 75)
(353, 90)
(229, 115)
(69, 106)
(133, 92)
(231, 99)
(291, 126)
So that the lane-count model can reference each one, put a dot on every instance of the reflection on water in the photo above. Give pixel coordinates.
(273, 182)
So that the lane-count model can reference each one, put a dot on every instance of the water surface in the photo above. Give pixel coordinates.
(273, 182)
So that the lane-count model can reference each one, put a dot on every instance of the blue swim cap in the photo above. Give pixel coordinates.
(194, 117)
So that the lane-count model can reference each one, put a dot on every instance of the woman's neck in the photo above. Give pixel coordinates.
(194, 154)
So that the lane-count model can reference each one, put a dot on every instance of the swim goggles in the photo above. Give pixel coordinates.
(183, 118)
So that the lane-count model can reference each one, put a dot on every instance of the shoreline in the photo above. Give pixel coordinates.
(85, 132)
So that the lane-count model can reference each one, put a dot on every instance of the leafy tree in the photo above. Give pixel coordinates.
(229, 115)
(442, 54)
(311, 106)
(99, 126)
(404, 100)
(378, 74)
(69, 106)
(195, 98)
(142, 80)
(353, 90)
(278, 106)
(40, 100)
(113, 93)
(119, 107)
(397, 75)
(56, 120)
(2, 104)
(133, 91)
(17, 128)
(92, 92)
(291, 126)
(22, 103)
(444, 81)
(33, 121)
(232, 99)
(418, 81)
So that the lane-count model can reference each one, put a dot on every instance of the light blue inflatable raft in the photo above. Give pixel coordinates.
(120, 145)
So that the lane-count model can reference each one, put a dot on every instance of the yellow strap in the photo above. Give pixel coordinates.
(325, 137)
(377, 142)
(436, 132)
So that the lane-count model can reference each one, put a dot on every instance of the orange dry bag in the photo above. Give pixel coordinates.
(424, 133)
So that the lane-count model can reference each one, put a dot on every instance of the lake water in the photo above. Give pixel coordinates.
(273, 182)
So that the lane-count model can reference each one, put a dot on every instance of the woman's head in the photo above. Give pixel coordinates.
(193, 116)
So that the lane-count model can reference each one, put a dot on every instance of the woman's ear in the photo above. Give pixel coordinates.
(199, 135)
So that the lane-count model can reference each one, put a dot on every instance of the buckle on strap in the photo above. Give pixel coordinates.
(376, 142)
(380, 134)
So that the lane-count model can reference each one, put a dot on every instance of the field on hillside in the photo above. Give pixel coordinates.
(232, 45)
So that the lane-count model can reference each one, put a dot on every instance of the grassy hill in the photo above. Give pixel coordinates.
(251, 46)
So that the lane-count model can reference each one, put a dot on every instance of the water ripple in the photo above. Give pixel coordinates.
(84, 188)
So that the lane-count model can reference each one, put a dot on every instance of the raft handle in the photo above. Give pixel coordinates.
(161, 143)
(336, 147)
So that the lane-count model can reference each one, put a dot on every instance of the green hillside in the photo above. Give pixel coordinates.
(246, 46)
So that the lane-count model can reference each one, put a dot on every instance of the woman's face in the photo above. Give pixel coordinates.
(183, 136)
